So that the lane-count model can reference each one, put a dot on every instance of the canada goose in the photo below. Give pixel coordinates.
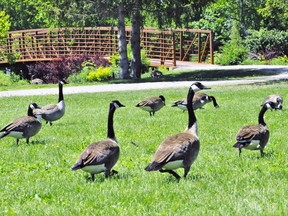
(275, 98)
(199, 100)
(255, 137)
(156, 74)
(152, 104)
(101, 156)
(53, 112)
(179, 150)
(23, 127)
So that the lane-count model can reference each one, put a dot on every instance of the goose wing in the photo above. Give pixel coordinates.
(180, 102)
(176, 147)
(149, 101)
(97, 153)
(249, 133)
(19, 123)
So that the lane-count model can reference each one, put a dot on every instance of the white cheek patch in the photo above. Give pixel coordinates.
(116, 105)
(195, 88)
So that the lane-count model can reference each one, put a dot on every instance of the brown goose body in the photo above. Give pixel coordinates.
(101, 156)
(199, 100)
(254, 137)
(180, 150)
(53, 112)
(23, 127)
(152, 104)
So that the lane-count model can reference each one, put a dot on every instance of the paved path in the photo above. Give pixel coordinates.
(283, 74)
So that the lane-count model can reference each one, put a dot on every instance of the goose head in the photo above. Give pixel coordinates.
(276, 99)
(162, 98)
(197, 86)
(115, 104)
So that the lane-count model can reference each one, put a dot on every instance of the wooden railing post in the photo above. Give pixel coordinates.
(199, 47)
(173, 49)
(211, 48)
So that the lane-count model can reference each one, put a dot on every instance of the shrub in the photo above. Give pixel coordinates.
(268, 43)
(51, 72)
(5, 79)
(102, 73)
(233, 52)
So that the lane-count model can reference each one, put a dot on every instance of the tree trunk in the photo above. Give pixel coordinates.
(122, 43)
(135, 41)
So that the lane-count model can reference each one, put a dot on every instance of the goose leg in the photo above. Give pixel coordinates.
(113, 172)
(186, 170)
(93, 177)
(50, 123)
(27, 140)
(17, 141)
(172, 173)
(239, 152)
(262, 152)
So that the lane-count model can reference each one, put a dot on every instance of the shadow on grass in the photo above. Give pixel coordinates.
(209, 75)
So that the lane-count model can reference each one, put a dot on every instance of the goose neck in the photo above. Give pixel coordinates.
(261, 116)
(191, 114)
(61, 97)
(110, 130)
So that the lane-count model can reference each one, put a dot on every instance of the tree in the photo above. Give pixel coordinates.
(135, 40)
(4, 28)
(122, 43)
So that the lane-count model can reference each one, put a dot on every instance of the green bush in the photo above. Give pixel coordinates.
(264, 41)
(281, 60)
(82, 76)
(231, 54)
(102, 73)
(5, 79)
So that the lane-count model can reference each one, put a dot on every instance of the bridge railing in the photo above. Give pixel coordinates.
(165, 47)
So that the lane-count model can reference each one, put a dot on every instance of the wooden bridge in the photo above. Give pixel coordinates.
(163, 47)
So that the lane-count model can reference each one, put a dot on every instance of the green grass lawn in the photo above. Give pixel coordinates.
(36, 179)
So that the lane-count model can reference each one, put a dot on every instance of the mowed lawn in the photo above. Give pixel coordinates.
(36, 179)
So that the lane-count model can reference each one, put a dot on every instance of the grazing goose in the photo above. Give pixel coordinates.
(101, 156)
(275, 98)
(179, 150)
(199, 100)
(152, 104)
(23, 127)
(53, 112)
(255, 137)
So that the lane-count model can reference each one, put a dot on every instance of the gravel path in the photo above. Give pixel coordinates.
(283, 74)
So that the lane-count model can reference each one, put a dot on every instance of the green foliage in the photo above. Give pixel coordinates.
(36, 179)
(81, 77)
(275, 14)
(101, 73)
(5, 79)
(10, 79)
(281, 60)
(233, 52)
(267, 40)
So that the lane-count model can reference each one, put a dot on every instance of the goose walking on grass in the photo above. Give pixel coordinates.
(179, 150)
(199, 100)
(23, 127)
(255, 137)
(101, 156)
(152, 104)
(53, 112)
